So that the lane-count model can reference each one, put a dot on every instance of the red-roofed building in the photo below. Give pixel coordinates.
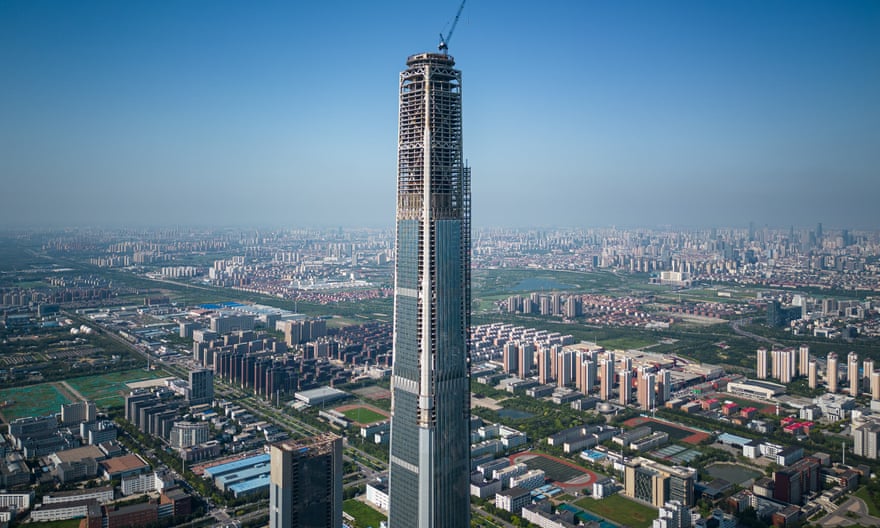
(795, 427)
(729, 409)
(749, 412)
(711, 403)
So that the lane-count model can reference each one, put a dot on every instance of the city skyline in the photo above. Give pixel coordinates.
(631, 114)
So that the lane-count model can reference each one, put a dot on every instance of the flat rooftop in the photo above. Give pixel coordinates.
(79, 453)
(124, 464)
(237, 465)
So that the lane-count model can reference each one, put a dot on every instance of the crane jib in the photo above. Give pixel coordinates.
(444, 41)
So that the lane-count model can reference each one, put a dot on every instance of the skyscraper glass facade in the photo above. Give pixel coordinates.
(429, 462)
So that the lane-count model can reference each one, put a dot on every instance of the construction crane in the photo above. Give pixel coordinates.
(444, 41)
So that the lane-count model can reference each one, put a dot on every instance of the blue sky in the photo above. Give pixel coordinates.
(576, 113)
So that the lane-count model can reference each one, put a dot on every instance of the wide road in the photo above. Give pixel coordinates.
(735, 326)
(286, 421)
(853, 511)
(498, 521)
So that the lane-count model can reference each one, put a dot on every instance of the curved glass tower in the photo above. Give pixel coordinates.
(430, 410)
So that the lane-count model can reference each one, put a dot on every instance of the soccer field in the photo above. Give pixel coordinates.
(363, 415)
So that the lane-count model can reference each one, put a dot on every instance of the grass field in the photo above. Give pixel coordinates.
(67, 523)
(363, 415)
(620, 510)
(709, 295)
(364, 515)
(873, 509)
(342, 322)
(485, 305)
(626, 343)
(496, 282)
(107, 390)
(34, 400)
(14, 255)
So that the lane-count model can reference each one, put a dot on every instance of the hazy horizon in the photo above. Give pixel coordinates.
(575, 114)
(243, 227)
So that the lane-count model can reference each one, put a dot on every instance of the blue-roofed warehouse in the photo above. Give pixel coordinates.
(242, 477)
(733, 440)
(249, 487)
(227, 479)
(238, 465)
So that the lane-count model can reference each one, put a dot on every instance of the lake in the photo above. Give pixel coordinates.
(538, 284)
(732, 473)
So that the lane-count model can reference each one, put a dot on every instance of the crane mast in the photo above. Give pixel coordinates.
(444, 41)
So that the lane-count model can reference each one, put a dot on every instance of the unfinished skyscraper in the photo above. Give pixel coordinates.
(429, 462)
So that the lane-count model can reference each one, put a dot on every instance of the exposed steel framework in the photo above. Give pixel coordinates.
(430, 112)
(430, 448)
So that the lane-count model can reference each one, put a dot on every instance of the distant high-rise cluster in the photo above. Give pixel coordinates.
(566, 305)
(783, 364)
(583, 366)
(787, 364)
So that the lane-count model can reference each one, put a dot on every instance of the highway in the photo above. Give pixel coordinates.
(735, 326)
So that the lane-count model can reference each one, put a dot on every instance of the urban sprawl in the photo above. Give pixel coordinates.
(618, 377)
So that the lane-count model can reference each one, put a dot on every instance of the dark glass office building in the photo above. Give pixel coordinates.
(305, 483)
(429, 463)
